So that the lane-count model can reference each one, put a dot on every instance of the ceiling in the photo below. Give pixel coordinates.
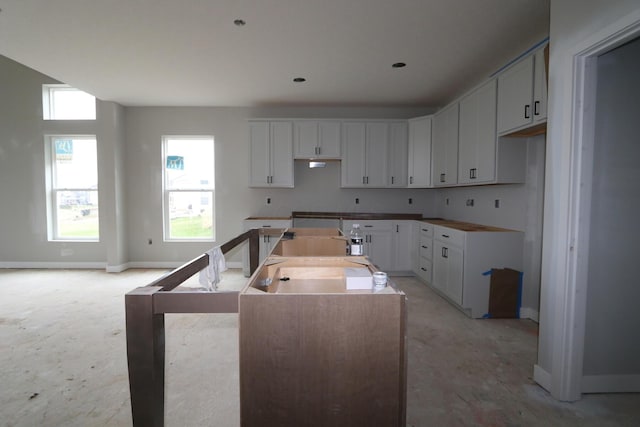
(190, 52)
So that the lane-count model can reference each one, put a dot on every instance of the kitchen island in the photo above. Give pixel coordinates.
(313, 352)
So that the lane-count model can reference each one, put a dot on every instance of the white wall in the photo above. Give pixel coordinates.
(315, 189)
(573, 24)
(23, 229)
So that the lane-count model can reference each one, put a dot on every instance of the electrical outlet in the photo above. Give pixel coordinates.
(268, 200)
(496, 203)
(469, 202)
(357, 201)
(410, 201)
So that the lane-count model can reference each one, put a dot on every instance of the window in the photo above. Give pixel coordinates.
(188, 201)
(72, 183)
(62, 102)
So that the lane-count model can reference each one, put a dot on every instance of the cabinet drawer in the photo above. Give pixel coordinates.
(426, 229)
(367, 225)
(426, 247)
(449, 235)
(424, 270)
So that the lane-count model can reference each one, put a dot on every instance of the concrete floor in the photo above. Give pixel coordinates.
(63, 361)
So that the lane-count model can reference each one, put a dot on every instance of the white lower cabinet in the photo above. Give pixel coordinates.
(266, 242)
(461, 259)
(387, 243)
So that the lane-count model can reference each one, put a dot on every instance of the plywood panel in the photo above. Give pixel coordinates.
(322, 360)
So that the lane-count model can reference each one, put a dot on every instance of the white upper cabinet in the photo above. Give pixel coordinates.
(419, 159)
(271, 145)
(522, 94)
(317, 139)
(445, 147)
(364, 154)
(477, 138)
(398, 155)
(540, 87)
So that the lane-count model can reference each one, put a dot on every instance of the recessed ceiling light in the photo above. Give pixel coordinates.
(299, 79)
(399, 65)
(239, 22)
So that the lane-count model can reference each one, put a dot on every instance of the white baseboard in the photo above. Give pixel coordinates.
(118, 268)
(529, 313)
(100, 265)
(542, 377)
(54, 265)
(610, 384)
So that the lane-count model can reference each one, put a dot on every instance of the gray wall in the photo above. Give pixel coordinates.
(611, 345)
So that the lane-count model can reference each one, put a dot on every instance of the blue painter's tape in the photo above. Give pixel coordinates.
(519, 294)
(487, 273)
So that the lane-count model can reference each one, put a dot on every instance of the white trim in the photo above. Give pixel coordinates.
(542, 377)
(117, 268)
(529, 313)
(570, 310)
(53, 265)
(611, 384)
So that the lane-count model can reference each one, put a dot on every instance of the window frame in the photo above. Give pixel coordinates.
(166, 192)
(48, 104)
(53, 233)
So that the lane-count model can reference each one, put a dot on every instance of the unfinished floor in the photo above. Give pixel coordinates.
(63, 361)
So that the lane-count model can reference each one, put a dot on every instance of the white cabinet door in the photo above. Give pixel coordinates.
(477, 138)
(376, 154)
(448, 270)
(419, 160)
(379, 249)
(281, 154)
(402, 246)
(445, 147)
(271, 145)
(329, 134)
(260, 168)
(353, 154)
(539, 87)
(316, 139)
(398, 155)
(515, 92)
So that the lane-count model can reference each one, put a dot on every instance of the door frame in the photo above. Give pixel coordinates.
(568, 314)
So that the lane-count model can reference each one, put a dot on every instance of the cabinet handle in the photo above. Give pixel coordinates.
(266, 226)
(363, 180)
(410, 180)
(392, 179)
(442, 177)
(423, 269)
(425, 229)
(368, 226)
(472, 173)
(446, 236)
(367, 179)
(397, 228)
(536, 108)
(445, 253)
(424, 247)
(526, 111)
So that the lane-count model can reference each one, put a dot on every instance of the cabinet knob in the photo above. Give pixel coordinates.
(442, 177)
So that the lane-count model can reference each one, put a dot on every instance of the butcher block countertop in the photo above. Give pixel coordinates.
(355, 215)
(458, 225)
